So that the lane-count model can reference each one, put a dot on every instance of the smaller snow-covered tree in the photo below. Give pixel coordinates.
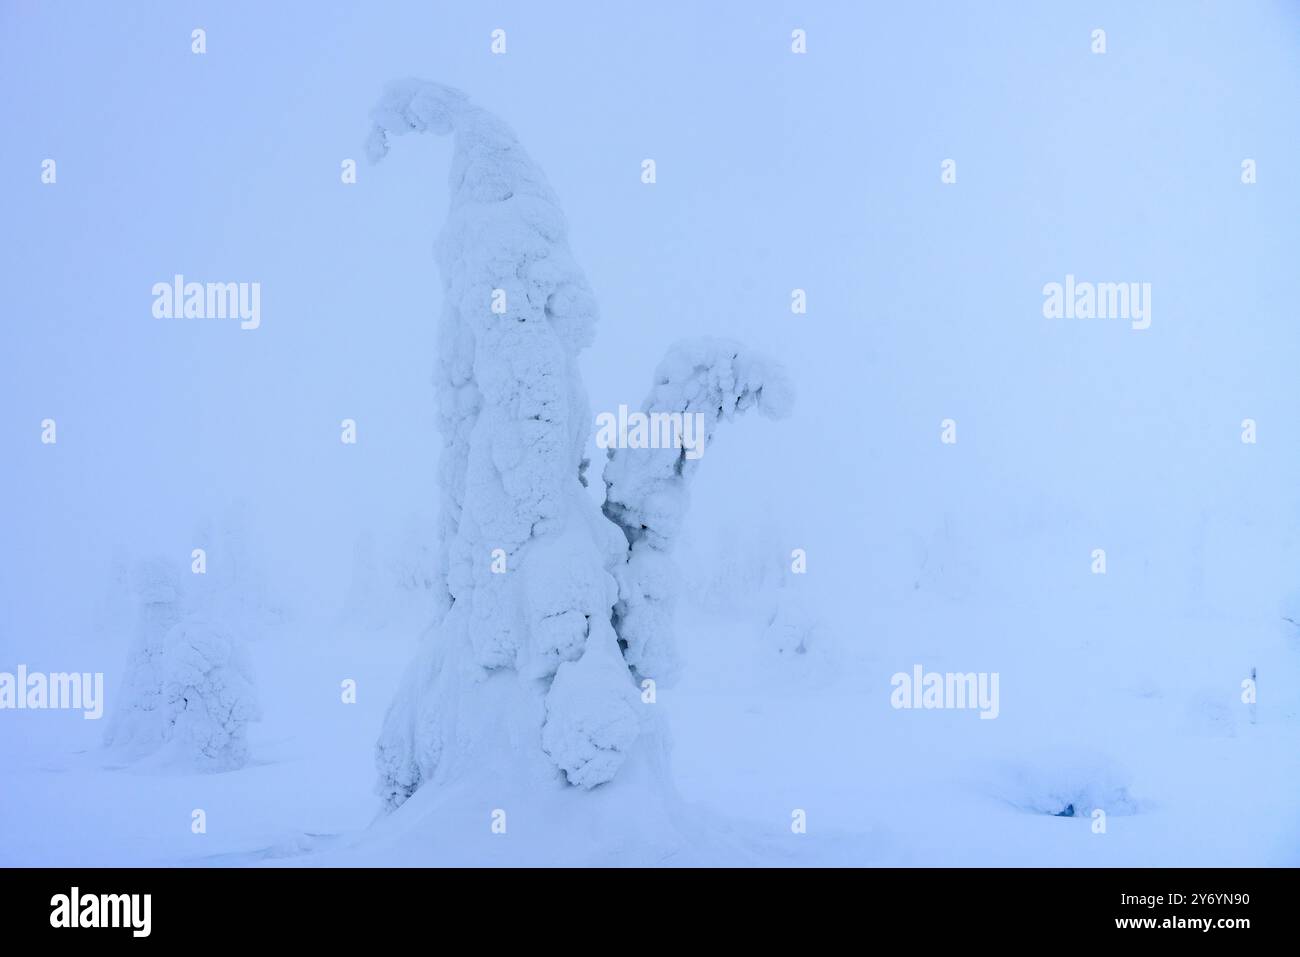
(235, 587)
(647, 491)
(187, 695)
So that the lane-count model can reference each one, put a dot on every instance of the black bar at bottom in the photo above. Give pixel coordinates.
(334, 906)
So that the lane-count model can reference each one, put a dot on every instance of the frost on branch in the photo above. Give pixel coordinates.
(524, 558)
(187, 696)
(647, 489)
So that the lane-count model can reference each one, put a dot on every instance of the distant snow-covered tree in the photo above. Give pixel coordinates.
(114, 612)
(187, 695)
(413, 565)
(528, 643)
(234, 587)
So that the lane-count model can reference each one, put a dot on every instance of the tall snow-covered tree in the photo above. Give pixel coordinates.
(543, 616)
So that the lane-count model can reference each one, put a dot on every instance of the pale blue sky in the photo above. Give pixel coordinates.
(775, 171)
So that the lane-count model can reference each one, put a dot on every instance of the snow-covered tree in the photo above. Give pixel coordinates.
(528, 648)
(115, 613)
(412, 565)
(647, 489)
(187, 695)
(234, 587)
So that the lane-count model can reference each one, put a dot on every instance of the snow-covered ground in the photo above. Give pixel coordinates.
(1162, 742)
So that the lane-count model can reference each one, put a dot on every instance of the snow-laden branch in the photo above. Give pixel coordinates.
(647, 489)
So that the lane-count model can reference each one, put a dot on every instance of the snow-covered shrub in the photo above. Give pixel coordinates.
(529, 570)
(187, 695)
(1068, 782)
(735, 570)
(793, 628)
